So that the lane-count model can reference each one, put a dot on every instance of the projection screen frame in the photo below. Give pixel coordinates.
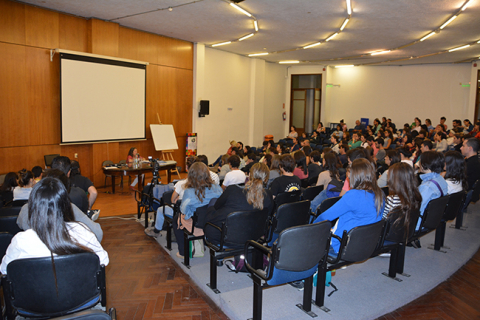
(105, 60)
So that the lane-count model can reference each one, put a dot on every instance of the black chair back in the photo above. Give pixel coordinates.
(385, 191)
(362, 242)
(326, 204)
(9, 224)
(454, 205)
(167, 198)
(476, 191)
(300, 248)
(434, 213)
(10, 211)
(311, 193)
(242, 226)
(396, 233)
(38, 287)
(5, 239)
(287, 197)
(18, 203)
(291, 215)
(48, 158)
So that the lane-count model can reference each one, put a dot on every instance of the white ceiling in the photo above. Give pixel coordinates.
(375, 25)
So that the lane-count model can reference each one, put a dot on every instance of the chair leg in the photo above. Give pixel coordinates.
(320, 293)
(459, 220)
(169, 237)
(401, 260)
(213, 272)
(439, 237)
(392, 267)
(186, 251)
(307, 297)
(257, 298)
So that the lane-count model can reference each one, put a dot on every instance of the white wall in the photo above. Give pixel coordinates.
(399, 92)
(251, 88)
(275, 87)
(474, 84)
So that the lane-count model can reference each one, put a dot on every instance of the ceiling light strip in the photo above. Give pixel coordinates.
(288, 61)
(241, 9)
(258, 54)
(255, 25)
(428, 36)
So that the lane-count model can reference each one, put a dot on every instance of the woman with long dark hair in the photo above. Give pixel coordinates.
(361, 205)
(455, 174)
(53, 229)
(6, 190)
(301, 170)
(234, 198)
(403, 196)
(199, 190)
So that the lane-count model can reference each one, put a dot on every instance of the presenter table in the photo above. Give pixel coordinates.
(138, 171)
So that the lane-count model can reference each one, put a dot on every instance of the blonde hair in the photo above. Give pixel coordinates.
(259, 174)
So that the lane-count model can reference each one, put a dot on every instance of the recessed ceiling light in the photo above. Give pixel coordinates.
(344, 24)
(447, 22)
(247, 36)
(241, 10)
(221, 44)
(380, 52)
(427, 36)
(258, 54)
(288, 61)
(349, 7)
(332, 36)
(345, 66)
(459, 48)
(312, 45)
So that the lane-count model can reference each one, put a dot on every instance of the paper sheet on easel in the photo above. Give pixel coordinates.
(163, 137)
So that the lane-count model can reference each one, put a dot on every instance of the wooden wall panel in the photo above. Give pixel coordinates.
(152, 98)
(29, 85)
(14, 127)
(73, 33)
(12, 22)
(184, 98)
(41, 27)
(43, 97)
(103, 37)
(16, 158)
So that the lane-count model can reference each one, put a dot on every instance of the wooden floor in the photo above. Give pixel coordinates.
(143, 282)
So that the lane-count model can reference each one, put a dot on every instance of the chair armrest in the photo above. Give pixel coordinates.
(265, 250)
(217, 248)
(343, 242)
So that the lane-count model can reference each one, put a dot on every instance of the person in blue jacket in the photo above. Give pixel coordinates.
(361, 205)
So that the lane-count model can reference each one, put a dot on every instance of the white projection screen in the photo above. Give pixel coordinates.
(101, 99)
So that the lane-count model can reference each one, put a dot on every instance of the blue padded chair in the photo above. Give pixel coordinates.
(302, 249)
(357, 245)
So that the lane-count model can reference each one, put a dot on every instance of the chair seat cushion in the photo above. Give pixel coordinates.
(282, 276)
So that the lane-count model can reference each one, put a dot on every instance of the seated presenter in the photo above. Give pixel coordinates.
(133, 156)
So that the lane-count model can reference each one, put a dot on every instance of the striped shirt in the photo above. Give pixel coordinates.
(390, 203)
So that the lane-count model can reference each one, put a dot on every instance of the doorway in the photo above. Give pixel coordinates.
(305, 106)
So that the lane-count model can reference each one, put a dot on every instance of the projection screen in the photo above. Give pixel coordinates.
(101, 99)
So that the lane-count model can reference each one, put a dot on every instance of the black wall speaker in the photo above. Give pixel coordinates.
(204, 108)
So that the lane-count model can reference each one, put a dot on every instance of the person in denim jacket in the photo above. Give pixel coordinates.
(433, 185)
